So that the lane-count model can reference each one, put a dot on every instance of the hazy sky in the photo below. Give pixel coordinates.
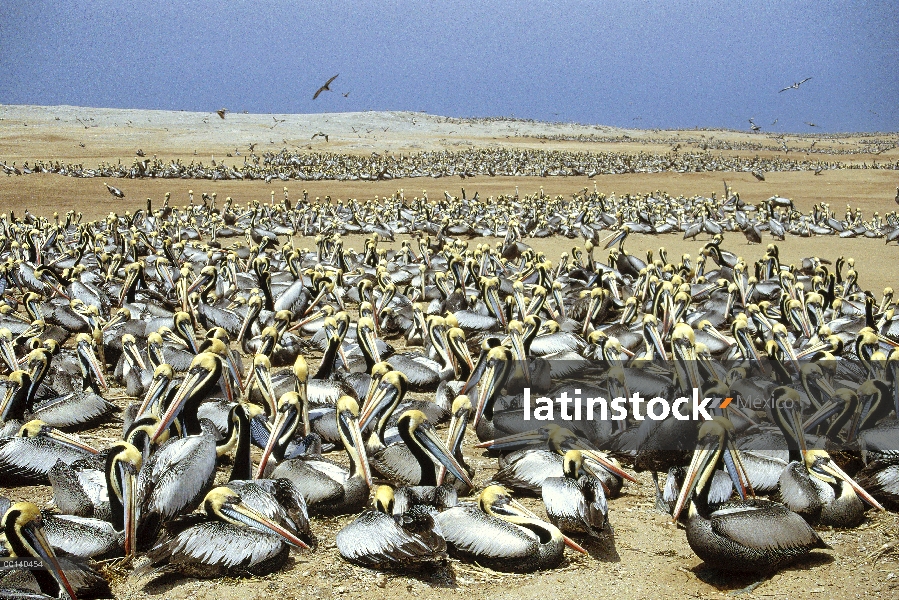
(675, 64)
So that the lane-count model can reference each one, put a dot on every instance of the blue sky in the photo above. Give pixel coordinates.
(677, 64)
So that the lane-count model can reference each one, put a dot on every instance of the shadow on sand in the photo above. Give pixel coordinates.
(740, 583)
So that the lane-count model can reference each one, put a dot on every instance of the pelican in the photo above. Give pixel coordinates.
(77, 493)
(576, 503)
(382, 539)
(822, 493)
(501, 534)
(527, 469)
(327, 487)
(231, 538)
(22, 527)
(743, 535)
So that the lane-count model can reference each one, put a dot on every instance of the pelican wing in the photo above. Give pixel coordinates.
(473, 532)
(563, 499)
(881, 480)
(722, 487)
(397, 464)
(556, 342)
(751, 524)
(376, 539)
(80, 536)
(763, 470)
(530, 470)
(316, 486)
(221, 544)
(68, 494)
(175, 476)
(24, 458)
(472, 321)
(276, 499)
(72, 409)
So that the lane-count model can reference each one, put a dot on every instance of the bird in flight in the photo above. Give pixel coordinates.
(810, 124)
(753, 126)
(320, 134)
(347, 95)
(795, 86)
(324, 88)
(221, 112)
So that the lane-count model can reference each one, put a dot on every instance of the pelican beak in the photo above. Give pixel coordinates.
(496, 306)
(155, 393)
(516, 440)
(129, 502)
(802, 318)
(90, 358)
(823, 413)
(796, 425)
(718, 335)
(68, 440)
(243, 513)
(486, 389)
(37, 540)
(129, 281)
(520, 354)
(788, 349)
(733, 464)
(383, 397)
(349, 426)
(202, 279)
(825, 387)
(702, 456)
(248, 320)
(8, 353)
(323, 291)
(521, 508)
(6, 402)
(440, 454)
(307, 319)
(690, 363)
(367, 336)
(366, 402)
(266, 387)
(656, 340)
(454, 436)
(281, 423)
(190, 383)
(831, 468)
(607, 464)
(615, 239)
(591, 310)
(134, 353)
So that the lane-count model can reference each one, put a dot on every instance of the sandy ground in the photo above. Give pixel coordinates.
(648, 557)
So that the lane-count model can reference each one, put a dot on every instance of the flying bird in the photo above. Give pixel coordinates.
(795, 86)
(221, 112)
(324, 88)
(810, 124)
(320, 134)
(753, 126)
(346, 95)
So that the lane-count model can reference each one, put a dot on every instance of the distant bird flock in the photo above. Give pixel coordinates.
(288, 165)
